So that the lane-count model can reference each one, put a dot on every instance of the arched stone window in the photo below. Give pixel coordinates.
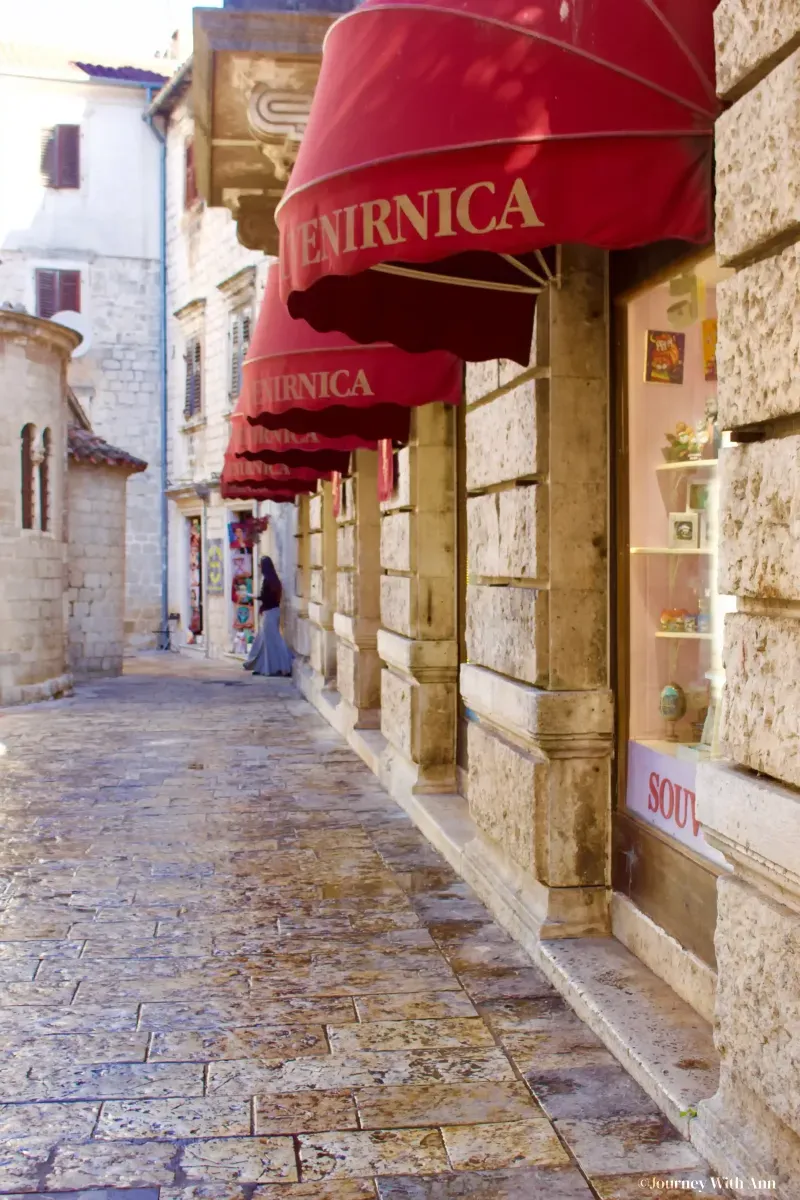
(26, 450)
(44, 481)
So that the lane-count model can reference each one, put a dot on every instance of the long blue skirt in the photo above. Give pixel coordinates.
(269, 654)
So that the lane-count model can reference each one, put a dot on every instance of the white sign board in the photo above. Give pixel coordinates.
(661, 790)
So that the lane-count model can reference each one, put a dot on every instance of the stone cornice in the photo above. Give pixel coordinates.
(238, 286)
(34, 329)
(193, 310)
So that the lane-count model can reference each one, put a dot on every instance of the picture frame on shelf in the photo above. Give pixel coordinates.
(684, 531)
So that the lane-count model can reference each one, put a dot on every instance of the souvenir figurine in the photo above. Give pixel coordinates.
(687, 443)
(672, 707)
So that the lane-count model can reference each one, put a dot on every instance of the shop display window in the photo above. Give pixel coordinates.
(242, 572)
(675, 614)
(195, 532)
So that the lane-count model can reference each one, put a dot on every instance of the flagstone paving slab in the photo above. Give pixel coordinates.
(378, 1152)
(305, 1112)
(232, 969)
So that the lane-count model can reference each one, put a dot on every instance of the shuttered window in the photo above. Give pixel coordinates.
(240, 328)
(193, 397)
(44, 482)
(190, 179)
(61, 156)
(26, 472)
(57, 291)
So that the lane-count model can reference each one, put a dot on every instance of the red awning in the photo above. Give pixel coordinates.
(256, 444)
(238, 491)
(449, 145)
(302, 381)
(260, 480)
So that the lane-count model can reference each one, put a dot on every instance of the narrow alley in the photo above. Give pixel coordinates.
(229, 959)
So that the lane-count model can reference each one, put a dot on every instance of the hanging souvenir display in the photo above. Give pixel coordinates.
(195, 578)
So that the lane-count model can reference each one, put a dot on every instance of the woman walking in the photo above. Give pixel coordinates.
(269, 654)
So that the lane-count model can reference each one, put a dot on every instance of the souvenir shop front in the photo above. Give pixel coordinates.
(670, 616)
(244, 531)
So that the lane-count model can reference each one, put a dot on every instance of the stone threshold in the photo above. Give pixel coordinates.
(656, 1035)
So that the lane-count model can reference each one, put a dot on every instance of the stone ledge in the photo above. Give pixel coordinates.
(320, 614)
(660, 1040)
(427, 661)
(731, 803)
(34, 693)
(357, 630)
(688, 976)
(567, 723)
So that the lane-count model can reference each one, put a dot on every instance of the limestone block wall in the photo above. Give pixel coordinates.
(118, 382)
(33, 657)
(417, 641)
(96, 570)
(748, 805)
(535, 685)
(357, 614)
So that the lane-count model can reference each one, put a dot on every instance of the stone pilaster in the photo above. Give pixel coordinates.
(417, 641)
(298, 627)
(322, 585)
(748, 805)
(357, 617)
(535, 686)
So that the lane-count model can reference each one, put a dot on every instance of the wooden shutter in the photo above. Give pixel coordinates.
(246, 329)
(190, 182)
(235, 362)
(47, 162)
(188, 397)
(47, 293)
(198, 377)
(193, 389)
(69, 291)
(68, 157)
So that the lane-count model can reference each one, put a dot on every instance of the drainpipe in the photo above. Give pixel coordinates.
(162, 140)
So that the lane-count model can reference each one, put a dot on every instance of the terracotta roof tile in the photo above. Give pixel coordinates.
(86, 447)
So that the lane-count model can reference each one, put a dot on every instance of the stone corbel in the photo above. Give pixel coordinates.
(277, 120)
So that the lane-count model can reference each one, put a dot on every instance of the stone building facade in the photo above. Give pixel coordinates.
(97, 484)
(749, 804)
(33, 517)
(214, 287)
(100, 227)
(474, 662)
(62, 521)
(472, 636)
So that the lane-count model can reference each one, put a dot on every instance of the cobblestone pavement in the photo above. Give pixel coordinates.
(230, 967)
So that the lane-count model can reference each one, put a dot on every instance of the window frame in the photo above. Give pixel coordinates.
(27, 440)
(193, 379)
(60, 163)
(62, 281)
(240, 332)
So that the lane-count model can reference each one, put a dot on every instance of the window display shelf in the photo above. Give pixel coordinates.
(670, 550)
(692, 637)
(695, 464)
